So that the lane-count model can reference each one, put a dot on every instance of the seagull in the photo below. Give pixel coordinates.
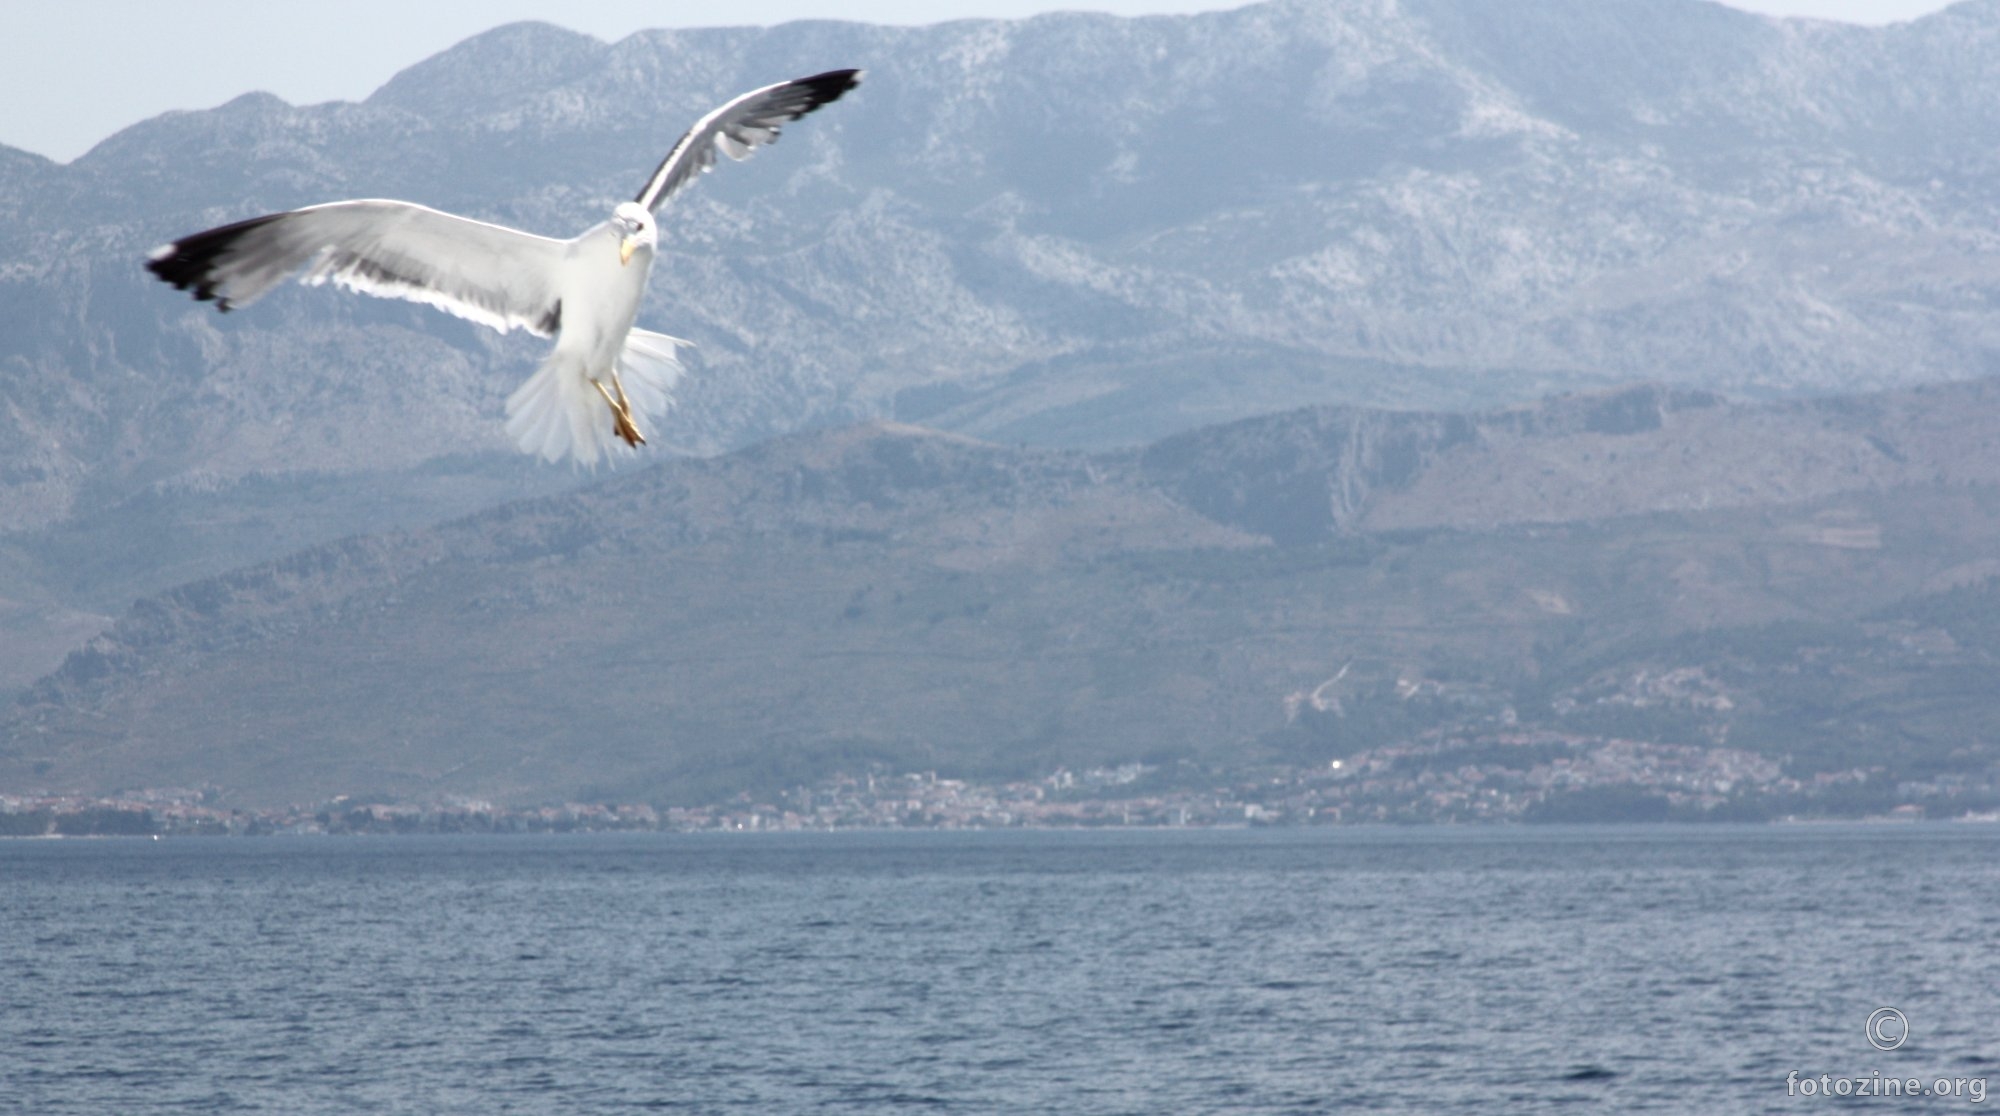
(584, 292)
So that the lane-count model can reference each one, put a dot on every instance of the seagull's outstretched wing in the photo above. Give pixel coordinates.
(746, 123)
(492, 275)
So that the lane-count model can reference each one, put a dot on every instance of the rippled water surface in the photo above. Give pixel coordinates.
(1574, 970)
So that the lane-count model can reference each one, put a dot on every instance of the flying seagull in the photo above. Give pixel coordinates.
(584, 292)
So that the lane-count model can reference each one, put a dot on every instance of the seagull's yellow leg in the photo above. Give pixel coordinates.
(621, 411)
(629, 430)
(624, 404)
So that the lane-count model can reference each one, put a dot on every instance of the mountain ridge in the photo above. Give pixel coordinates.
(1074, 231)
(888, 594)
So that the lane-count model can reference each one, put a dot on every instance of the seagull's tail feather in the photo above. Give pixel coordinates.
(650, 367)
(559, 413)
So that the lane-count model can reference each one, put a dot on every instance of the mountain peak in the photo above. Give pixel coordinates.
(497, 66)
(1083, 233)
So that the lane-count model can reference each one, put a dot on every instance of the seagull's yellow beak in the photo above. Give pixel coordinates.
(625, 249)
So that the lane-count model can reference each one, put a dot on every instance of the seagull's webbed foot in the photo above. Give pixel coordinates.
(621, 412)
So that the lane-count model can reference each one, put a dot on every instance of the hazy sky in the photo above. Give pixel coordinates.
(74, 71)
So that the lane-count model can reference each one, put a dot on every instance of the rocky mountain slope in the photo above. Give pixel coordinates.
(1071, 231)
(1287, 588)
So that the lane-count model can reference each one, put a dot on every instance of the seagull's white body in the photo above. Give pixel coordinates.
(604, 376)
(557, 412)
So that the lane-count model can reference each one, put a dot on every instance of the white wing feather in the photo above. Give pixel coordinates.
(489, 274)
(740, 127)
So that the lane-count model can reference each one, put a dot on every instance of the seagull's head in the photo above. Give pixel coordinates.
(636, 230)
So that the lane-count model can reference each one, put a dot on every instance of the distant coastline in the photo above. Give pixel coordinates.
(1591, 781)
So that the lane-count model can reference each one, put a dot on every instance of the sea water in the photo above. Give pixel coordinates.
(1689, 969)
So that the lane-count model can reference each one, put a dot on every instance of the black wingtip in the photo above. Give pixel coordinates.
(189, 263)
(828, 87)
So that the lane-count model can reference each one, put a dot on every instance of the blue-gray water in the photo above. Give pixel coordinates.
(1574, 970)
